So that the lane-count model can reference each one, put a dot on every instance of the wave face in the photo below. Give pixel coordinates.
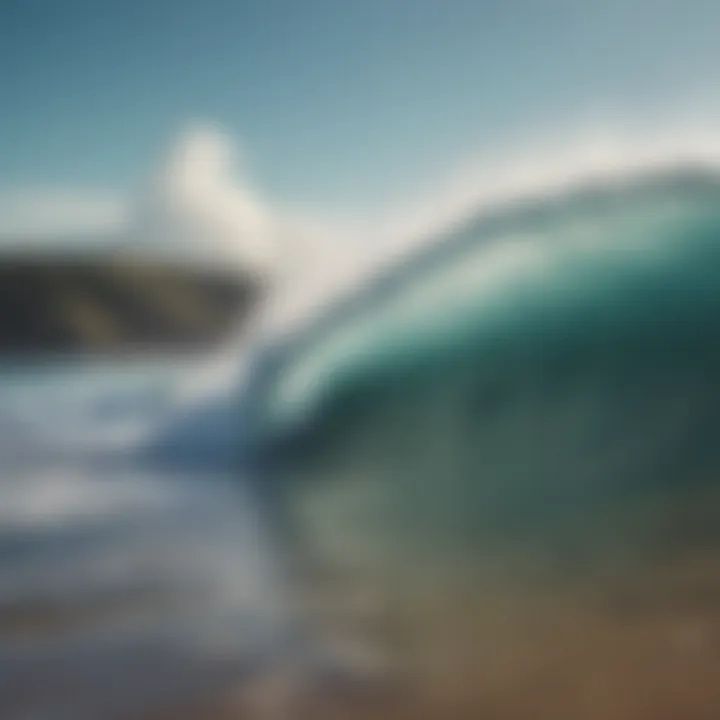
(511, 446)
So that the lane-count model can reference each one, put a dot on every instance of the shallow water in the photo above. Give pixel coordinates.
(127, 585)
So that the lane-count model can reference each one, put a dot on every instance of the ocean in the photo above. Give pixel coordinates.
(488, 481)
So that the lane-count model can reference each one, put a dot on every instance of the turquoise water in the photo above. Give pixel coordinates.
(636, 259)
(570, 351)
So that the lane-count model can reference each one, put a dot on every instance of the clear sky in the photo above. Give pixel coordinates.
(341, 103)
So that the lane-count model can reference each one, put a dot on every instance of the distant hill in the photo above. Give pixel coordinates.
(110, 303)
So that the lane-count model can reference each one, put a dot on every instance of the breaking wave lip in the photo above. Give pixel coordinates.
(607, 151)
(508, 194)
(672, 200)
(517, 203)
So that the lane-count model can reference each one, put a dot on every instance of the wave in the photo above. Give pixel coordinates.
(510, 441)
(599, 254)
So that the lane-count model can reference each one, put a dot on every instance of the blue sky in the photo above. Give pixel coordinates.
(333, 99)
(345, 104)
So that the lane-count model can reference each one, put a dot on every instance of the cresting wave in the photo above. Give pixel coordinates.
(511, 441)
(600, 246)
